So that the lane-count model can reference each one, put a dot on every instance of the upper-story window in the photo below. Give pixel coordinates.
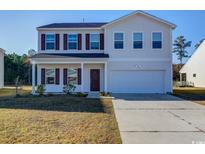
(72, 41)
(50, 41)
(157, 40)
(118, 40)
(94, 41)
(137, 40)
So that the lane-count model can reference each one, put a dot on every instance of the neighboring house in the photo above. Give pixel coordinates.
(192, 71)
(1, 68)
(132, 54)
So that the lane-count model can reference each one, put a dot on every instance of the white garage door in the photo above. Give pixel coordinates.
(137, 81)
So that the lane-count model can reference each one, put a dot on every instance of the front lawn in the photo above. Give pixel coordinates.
(57, 119)
(196, 95)
(12, 91)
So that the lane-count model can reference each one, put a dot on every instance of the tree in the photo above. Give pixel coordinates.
(180, 45)
(198, 44)
(17, 66)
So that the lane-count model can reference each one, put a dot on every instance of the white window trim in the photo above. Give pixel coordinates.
(143, 40)
(152, 40)
(68, 41)
(94, 41)
(54, 76)
(54, 41)
(114, 40)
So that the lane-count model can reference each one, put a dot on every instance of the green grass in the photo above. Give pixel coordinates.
(57, 119)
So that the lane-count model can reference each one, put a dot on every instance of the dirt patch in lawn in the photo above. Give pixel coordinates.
(9, 92)
(57, 119)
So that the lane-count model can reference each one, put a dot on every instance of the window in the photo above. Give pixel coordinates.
(50, 76)
(137, 40)
(94, 41)
(72, 41)
(157, 40)
(50, 41)
(194, 75)
(183, 76)
(118, 40)
(72, 76)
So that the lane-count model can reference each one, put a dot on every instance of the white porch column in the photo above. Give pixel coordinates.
(105, 77)
(33, 78)
(82, 77)
(180, 77)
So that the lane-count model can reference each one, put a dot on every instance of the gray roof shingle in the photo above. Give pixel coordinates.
(70, 55)
(74, 25)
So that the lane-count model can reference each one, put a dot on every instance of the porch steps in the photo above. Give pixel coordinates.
(93, 95)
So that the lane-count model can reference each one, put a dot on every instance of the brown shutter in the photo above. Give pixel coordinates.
(79, 76)
(87, 41)
(65, 76)
(57, 76)
(57, 41)
(43, 41)
(65, 41)
(101, 41)
(43, 76)
(79, 41)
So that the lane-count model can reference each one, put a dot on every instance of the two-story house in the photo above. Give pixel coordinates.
(132, 54)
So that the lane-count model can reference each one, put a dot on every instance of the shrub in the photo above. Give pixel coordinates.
(105, 94)
(50, 94)
(80, 94)
(40, 89)
(69, 88)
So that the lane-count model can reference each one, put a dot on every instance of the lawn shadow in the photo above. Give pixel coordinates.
(192, 97)
(61, 103)
(146, 97)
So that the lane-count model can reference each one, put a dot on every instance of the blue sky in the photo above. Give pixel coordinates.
(18, 28)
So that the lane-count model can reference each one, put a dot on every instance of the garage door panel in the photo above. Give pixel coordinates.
(137, 81)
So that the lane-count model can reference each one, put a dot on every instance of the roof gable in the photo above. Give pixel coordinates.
(104, 24)
(199, 52)
(144, 13)
(2, 50)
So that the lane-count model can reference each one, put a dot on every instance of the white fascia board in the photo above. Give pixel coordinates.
(2, 50)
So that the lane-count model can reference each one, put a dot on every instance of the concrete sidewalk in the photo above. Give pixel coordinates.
(158, 118)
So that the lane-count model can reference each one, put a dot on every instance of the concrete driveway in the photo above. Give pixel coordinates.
(155, 118)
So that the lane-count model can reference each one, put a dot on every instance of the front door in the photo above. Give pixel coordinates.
(95, 80)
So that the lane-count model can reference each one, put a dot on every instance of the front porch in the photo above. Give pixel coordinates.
(87, 76)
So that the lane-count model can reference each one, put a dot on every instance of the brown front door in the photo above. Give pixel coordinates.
(95, 80)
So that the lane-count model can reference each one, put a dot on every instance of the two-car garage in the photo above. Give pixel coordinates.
(137, 81)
